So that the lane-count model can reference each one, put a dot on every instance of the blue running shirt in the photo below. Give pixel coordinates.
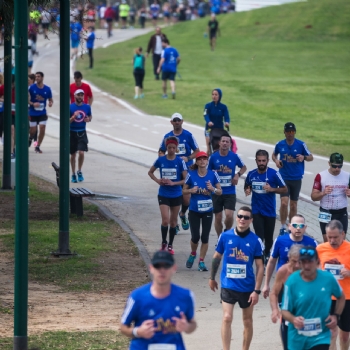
(312, 300)
(263, 202)
(201, 201)
(170, 169)
(170, 55)
(75, 29)
(225, 167)
(282, 244)
(39, 95)
(84, 111)
(142, 306)
(238, 257)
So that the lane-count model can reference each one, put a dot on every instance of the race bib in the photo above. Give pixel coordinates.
(334, 269)
(182, 149)
(324, 217)
(13, 107)
(236, 271)
(225, 181)
(258, 187)
(169, 173)
(40, 108)
(1, 104)
(205, 205)
(312, 327)
(161, 347)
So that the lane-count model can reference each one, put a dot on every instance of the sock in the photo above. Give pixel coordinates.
(184, 208)
(194, 253)
(172, 233)
(284, 226)
(164, 230)
(201, 259)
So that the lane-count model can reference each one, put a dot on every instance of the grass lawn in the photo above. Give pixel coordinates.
(270, 67)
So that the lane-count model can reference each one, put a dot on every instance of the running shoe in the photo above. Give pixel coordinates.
(283, 231)
(164, 246)
(165, 96)
(80, 176)
(177, 229)
(184, 222)
(136, 97)
(142, 95)
(171, 250)
(38, 150)
(74, 179)
(174, 95)
(35, 143)
(190, 261)
(202, 267)
(13, 156)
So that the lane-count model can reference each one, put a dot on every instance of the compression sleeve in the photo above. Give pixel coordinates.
(317, 183)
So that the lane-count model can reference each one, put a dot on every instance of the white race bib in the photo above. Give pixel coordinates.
(324, 217)
(312, 327)
(334, 269)
(161, 347)
(13, 107)
(205, 205)
(169, 173)
(182, 149)
(236, 271)
(258, 187)
(40, 108)
(225, 181)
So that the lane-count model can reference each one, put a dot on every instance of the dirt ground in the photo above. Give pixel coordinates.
(50, 308)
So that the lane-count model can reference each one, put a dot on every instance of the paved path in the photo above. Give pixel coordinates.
(123, 145)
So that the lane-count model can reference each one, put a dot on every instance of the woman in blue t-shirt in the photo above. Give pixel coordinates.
(138, 62)
(201, 183)
(173, 172)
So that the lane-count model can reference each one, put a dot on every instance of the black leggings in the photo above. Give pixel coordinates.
(264, 226)
(195, 219)
(284, 334)
(91, 58)
(139, 74)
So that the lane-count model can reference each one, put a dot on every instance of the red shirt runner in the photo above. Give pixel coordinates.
(87, 91)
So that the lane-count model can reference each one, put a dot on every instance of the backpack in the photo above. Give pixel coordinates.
(138, 61)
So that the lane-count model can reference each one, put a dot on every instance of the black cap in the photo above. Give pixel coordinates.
(308, 253)
(289, 127)
(336, 158)
(163, 257)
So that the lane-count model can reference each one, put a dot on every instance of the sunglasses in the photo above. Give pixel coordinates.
(176, 120)
(290, 132)
(298, 225)
(162, 266)
(307, 252)
(335, 166)
(245, 217)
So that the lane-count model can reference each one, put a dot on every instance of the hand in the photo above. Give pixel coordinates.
(146, 54)
(279, 164)
(194, 189)
(331, 321)
(347, 192)
(254, 298)
(36, 104)
(181, 324)
(210, 124)
(158, 70)
(185, 159)
(345, 273)
(266, 292)
(72, 118)
(298, 322)
(275, 316)
(213, 285)
(235, 180)
(300, 158)
(146, 330)
(160, 182)
(87, 119)
(328, 189)
(267, 188)
(50, 103)
(248, 191)
(227, 124)
(168, 182)
(210, 187)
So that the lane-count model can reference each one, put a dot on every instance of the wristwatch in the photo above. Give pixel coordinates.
(338, 317)
(257, 291)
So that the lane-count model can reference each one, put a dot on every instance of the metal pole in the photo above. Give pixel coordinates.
(22, 172)
(6, 165)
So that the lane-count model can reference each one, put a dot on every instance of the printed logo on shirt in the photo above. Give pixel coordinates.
(224, 169)
(230, 241)
(151, 313)
(248, 245)
(79, 116)
(289, 159)
(177, 308)
(166, 326)
(238, 254)
(286, 249)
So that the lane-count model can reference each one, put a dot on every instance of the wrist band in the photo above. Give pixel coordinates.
(134, 332)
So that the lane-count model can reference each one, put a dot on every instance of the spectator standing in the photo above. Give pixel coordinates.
(124, 9)
(132, 15)
(166, 13)
(75, 33)
(213, 29)
(154, 12)
(142, 16)
(79, 85)
(109, 16)
(101, 15)
(139, 72)
(90, 40)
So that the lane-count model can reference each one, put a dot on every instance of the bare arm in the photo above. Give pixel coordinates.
(271, 265)
(214, 269)
(276, 289)
(187, 190)
(152, 176)
(178, 61)
(160, 64)
(90, 100)
(238, 175)
(317, 195)
(278, 162)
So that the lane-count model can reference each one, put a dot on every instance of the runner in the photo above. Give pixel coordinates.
(109, 17)
(31, 81)
(39, 94)
(332, 187)
(160, 310)
(214, 114)
(335, 258)
(213, 29)
(201, 183)
(45, 21)
(224, 163)
(187, 150)
(240, 247)
(90, 45)
(263, 183)
(154, 12)
(277, 290)
(282, 245)
(79, 85)
(80, 114)
(75, 36)
(138, 63)
(307, 302)
(173, 172)
(124, 13)
(291, 164)
(168, 65)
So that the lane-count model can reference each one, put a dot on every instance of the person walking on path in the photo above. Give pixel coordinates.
(335, 258)
(213, 30)
(215, 115)
(39, 94)
(239, 248)
(332, 188)
(155, 46)
(306, 304)
(200, 183)
(293, 154)
(173, 172)
(80, 114)
(154, 12)
(109, 17)
(224, 163)
(124, 9)
(187, 150)
(142, 13)
(263, 183)
(157, 313)
(79, 85)
(90, 40)
(138, 62)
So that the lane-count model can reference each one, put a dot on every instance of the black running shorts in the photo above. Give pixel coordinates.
(225, 201)
(230, 296)
(294, 187)
(78, 141)
(168, 75)
(170, 202)
(344, 321)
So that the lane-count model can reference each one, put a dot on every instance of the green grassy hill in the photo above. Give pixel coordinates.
(270, 67)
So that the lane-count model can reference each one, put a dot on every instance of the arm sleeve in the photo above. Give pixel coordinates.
(149, 47)
(220, 248)
(89, 111)
(89, 93)
(183, 165)
(162, 145)
(130, 312)
(216, 178)
(247, 182)
(287, 300)
(49, 95)
(259, 248)
(317, 183)
(210, 164)
(193, 143)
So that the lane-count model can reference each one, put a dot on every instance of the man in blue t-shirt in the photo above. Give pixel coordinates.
(263, 183)
(75, 34)
(307, 303)
(224, 162)
(80, 114)
(240, 248)
(291, 163)
(39, 94)
(169, 61)
(281, 246)
(157, 313)
(187, 150)
(90, 40)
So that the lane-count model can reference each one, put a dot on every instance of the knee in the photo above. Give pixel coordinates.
(205, 239)
(165, 222)
(284, 203)
(227, 318)
(334, 333)
(195, 239)
(248, 322)
(344, 336)
(293, 205)
(81, 153)
(218, 217)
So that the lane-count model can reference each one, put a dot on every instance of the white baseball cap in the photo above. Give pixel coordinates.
(176, 115)
(79, 91)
